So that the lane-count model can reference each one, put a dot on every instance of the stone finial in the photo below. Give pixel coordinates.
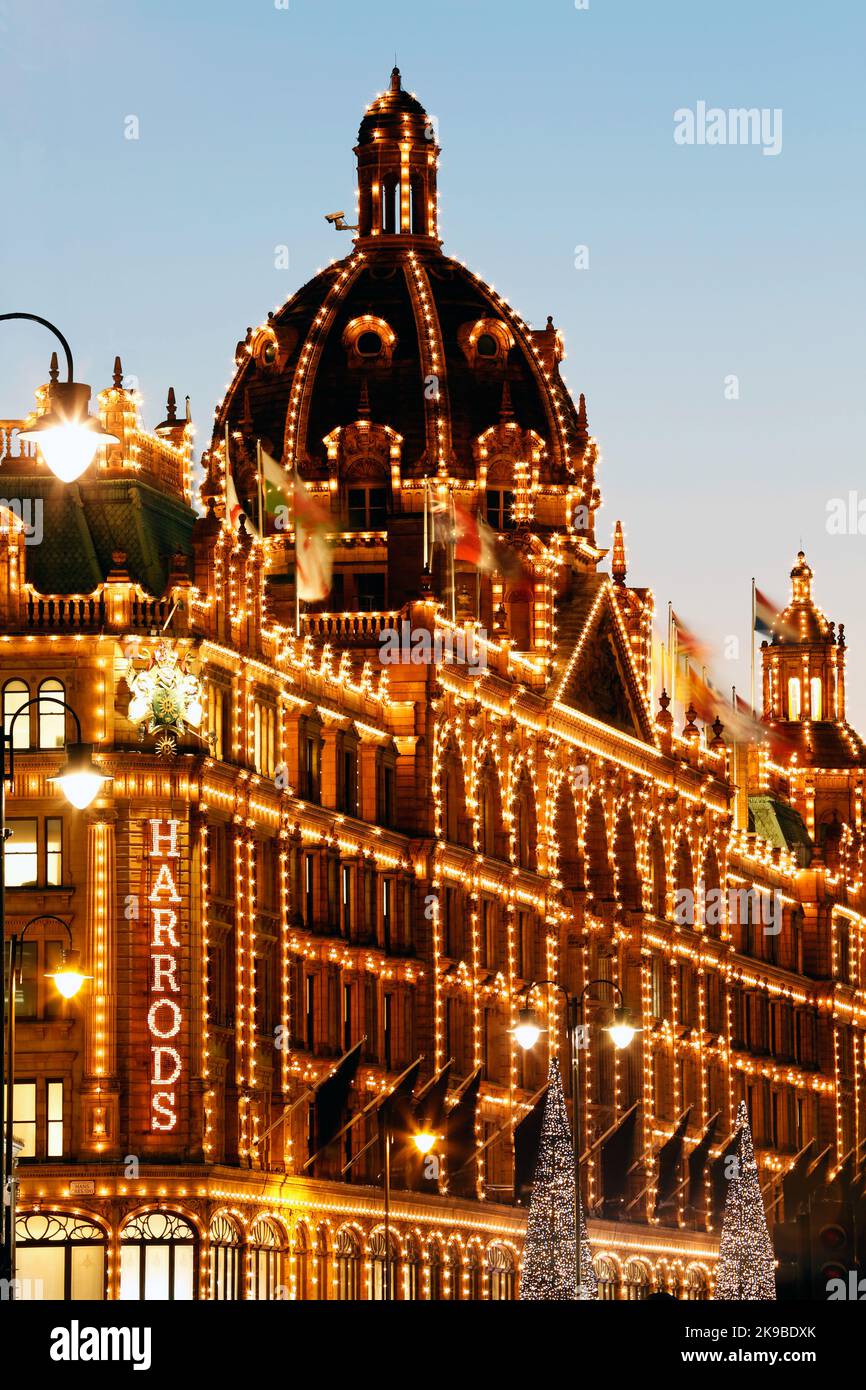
(718, 727)
(364, 401)
(117, 374)
(396, 80)
(619, 564)
(188, 412)
(53, 369)
(171, 406)
(506, 409)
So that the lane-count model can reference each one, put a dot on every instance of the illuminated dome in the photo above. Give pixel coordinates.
(399, 337)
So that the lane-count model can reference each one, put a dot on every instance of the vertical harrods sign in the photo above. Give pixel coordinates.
(166, 1022)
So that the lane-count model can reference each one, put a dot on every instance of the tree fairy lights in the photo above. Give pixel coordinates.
(549, 1265)
(747, 1267)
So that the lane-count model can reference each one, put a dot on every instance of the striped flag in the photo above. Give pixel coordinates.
(766, 613)
(479, 545)
(688, 643)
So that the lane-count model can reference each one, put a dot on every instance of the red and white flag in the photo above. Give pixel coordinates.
(479, 545)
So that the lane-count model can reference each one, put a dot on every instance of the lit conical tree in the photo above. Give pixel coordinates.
(548, 1254)
(746, 1268)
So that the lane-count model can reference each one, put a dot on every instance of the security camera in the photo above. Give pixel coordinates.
(339, 223)
(335, 217)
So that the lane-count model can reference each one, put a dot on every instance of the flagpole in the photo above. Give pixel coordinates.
(453, 548)
(261, 487)
(426, 544)
(297, 573)
(752, 646)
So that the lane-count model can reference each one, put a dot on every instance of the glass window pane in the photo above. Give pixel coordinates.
(156, 1272)
(52, 999)
(15, 695)
(88, 1278)
(39, 1268)
(52, 719)
(54, 851)
(24, 1117)
(26, 989)
(55, 1119)
(22, 861)
(183, 1272)
(130, 1256)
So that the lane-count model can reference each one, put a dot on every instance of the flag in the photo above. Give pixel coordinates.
(688, 643)
(527, 1141)
(479, 545)
(669, 1159)
(274, 484)
(698, 1162)
(701, 696)
(741, 726)
(460, 1139)
(331, 1097)
(234, 510)
(617, 1150)
(768, 617)
(313, 560)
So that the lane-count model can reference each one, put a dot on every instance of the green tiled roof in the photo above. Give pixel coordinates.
(779, 823)
(83, 523)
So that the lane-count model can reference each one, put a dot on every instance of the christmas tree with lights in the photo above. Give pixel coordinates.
(548, 1254)
(747, 1266)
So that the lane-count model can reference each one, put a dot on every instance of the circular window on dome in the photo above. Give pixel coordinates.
(269, 352)
(368, 344)
(487, 346)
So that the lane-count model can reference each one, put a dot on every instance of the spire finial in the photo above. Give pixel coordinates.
(619, 565)
(396, 80)
(53, 368)
(188, 412)
(117, 377)
(171, 406)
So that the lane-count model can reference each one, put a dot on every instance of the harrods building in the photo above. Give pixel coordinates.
(305, 850)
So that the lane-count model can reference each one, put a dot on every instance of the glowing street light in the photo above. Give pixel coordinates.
(66, 434)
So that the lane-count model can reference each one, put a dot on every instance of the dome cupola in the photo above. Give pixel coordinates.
(397, 160)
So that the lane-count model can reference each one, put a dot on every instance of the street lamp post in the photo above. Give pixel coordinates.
(423, 1141)
(68, 979)
(80, 782)
(67, 434)
(527, 1033)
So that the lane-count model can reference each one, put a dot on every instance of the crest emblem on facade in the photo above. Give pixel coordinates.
(166, 697)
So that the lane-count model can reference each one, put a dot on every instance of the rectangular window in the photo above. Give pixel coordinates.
(53, 851)
(350, 782)
(308, 890)
(310, 1005)
(24, 1116)
(347, 1017)
(346, 899)
(387, 892)
(371, 592)
(22, 853)
(657, 982)
(54, 1110)
(387, 1029)
(500, 509)
(312, 777)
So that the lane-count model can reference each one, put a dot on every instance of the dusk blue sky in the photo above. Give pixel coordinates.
(557, 130)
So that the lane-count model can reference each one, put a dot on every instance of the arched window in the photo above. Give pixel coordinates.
(59, 1257)
(815, 694)
(301, 1263)
(658, 874)
(793, 698)
(323, 1290)
(625, 863)
(411, 1264)
(525, 824)
(599, 875)
(570, 865)
(455, 826)
(714, 904)
(475, 1272)
(453, 1270)
(158, 1257)
(637, 1281)
(383, 1273)
(500, 1271)
(52, 719)
(684, 885)
(267, 1252)
(225, 1259)
(608, 1278)
(15, 696)
(489, 811)
(697, 1287)
(347, 1258)
(434, 1270)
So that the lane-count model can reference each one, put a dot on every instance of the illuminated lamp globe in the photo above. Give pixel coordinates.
(622, 1030)
(67, 436)
(68, 977)
(80, 781)
(527, 1030)
(424, 1141)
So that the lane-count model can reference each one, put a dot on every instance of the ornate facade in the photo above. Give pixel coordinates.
(305, 848)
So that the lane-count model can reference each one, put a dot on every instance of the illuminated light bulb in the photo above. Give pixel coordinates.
(527, 1030)
(68, 977)
(80, 781)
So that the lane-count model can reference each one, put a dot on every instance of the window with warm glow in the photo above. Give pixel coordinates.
(52, 719)
(793, 698)
(21, 853)
(815, 694)
(15, 696)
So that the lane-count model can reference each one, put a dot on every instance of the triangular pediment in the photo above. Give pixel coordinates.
(598, 677)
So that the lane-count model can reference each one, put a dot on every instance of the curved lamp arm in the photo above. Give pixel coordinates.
(35, 318)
